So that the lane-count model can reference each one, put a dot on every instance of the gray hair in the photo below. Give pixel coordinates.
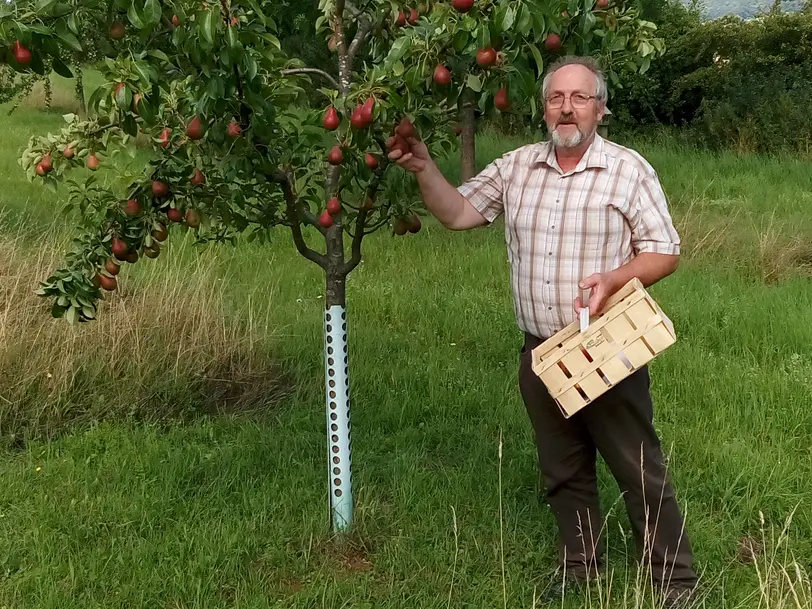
(590, 63)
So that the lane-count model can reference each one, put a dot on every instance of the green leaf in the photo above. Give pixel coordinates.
(44, 6)
(588, 22)
(255, 5)
(234, 44)
(207, 28)
(72, 23)
(460, 40)
(474, 82)
(523, 24)
(135, 17)
(510, 19)
(129, 125)
(537, 56)
(72, 315)
(6, 9)
(159, 55)
(152, 12)
(398, 51)
(70, 40)
(61, 69)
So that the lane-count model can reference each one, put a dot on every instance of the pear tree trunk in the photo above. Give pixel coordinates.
(468, 136)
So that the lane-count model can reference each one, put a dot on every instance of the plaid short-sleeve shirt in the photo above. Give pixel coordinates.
(562, 227)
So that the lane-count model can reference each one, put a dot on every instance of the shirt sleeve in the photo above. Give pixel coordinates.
(485, 190)
(652, 227)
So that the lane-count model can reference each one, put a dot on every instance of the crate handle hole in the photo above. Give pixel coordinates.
(631, 323)
(622, 357)
(603, 377)
(586, 354)
(564, 370)
(582, 393)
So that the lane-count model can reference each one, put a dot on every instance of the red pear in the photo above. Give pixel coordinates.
(120, 249)
(333, 206)
(501, 100)
(335, 157)
(371, 161)
(68, 152)
(132, 208)
(161, 234)
(166, 136)
(40, 170)
(108, 283)
(462, 6)
(93, 162)
(192, 218)
(406, 129)
(112, 267)
(117, 31)
(441, 75)
(174, 215)
(234, 129)
(553, 42)
(21, 54)
(485, 58)
(366, 112)
(160, 189)
(175, 20)
(197, 178)
(331, 119)
(47, 166)
(413, 16)
(401, 18)
(325, 219)
(195, 129)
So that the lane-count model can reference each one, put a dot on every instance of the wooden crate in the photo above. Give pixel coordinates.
(577, 368)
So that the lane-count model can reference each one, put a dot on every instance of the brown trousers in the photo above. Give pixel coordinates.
(618, 425)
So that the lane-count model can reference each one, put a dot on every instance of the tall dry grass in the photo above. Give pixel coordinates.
(163, 345)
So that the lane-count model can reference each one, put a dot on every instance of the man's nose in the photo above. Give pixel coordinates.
(566, 107)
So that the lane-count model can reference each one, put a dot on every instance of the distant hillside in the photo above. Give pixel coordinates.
(743, 8)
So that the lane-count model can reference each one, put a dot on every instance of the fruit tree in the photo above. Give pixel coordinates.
(239, 145)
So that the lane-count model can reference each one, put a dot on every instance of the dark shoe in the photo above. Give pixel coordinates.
(679, 598)
(559, 585)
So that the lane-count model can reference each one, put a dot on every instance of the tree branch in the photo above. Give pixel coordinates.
(341, 39)
(321, 73)
(364, 27)
(360, 221)
(283, 179)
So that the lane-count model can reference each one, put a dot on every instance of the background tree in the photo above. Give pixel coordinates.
(235, 153)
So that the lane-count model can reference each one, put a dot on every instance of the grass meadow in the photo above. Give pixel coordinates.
(173, 453)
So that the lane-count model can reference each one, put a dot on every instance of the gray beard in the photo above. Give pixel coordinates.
(568, 141)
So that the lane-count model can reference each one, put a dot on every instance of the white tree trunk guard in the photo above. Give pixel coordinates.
(338, 416)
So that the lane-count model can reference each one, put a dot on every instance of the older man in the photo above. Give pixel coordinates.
(581, 213)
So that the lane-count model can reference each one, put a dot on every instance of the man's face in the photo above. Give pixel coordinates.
(572, 122)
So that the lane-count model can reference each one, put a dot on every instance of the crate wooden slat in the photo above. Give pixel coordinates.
(577, 368)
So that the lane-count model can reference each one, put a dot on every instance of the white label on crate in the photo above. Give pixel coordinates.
(584, 318)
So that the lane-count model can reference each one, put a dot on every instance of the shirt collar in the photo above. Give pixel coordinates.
(594, 157)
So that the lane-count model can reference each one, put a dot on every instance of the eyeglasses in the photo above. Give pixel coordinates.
(578, 100)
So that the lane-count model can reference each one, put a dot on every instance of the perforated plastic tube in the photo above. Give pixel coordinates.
(338, 416)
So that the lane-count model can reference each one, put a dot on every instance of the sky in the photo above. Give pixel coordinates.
(743, 8)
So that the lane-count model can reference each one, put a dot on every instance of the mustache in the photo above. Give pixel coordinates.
(566, 119)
